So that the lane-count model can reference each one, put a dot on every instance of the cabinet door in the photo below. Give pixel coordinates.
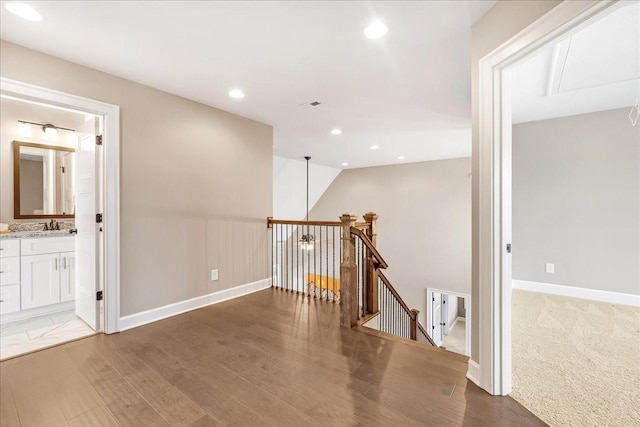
(67, 276)
(40, 280)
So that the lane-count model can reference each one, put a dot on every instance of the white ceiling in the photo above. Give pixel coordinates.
(596, 69)
(408, 93)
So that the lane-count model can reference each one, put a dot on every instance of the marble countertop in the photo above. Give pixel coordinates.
(35, 234)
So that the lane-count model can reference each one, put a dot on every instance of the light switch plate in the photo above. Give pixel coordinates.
(550, 268)
(214, 275)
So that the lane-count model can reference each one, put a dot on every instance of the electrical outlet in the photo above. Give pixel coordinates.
(214, 275)
(550, 268)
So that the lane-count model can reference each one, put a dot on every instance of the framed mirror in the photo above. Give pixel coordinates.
(43, 178)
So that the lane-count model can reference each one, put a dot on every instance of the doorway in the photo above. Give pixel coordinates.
(494, 175)
(449, 320)
(95, 257)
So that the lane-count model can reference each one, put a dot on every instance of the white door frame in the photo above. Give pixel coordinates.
(111, 183)
(495, 181)
(467, 320)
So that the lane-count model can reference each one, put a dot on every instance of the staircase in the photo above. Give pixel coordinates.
(337, 261)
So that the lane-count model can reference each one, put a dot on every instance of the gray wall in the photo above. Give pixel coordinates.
(576, 201)
(424, 225)
(196, 184)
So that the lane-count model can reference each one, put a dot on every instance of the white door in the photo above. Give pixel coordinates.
(67, 276)
(40, 280)
(87, 248)
(436, 317)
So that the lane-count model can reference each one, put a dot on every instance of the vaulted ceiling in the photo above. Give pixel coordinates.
(595, 69)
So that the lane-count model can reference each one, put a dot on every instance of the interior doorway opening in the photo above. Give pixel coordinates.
(449, 320)
(81, 276)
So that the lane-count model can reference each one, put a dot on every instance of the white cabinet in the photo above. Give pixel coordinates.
(9, 299)
(40, 280)
(67, 276)
(47, 271)
(9, 275)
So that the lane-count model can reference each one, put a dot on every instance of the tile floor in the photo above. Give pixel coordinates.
(39, 332)
(455, 340)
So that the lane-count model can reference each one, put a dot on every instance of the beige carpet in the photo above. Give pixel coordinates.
(576, 362)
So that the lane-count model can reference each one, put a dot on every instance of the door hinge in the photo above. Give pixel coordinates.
(433, 327)
(99, 296)
(508, 248)
(98, 139)
(98, 218)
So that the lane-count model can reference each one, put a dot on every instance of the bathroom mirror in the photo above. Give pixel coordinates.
(43, 181)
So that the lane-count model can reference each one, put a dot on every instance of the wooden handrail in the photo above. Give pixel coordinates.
(271, 221)
(425, 334)
(367, 242)
(363, 225)
(395, 293)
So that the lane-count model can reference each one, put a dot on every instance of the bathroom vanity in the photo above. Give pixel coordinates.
(37, 272)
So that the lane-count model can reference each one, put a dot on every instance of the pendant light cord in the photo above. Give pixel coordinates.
(307, 158)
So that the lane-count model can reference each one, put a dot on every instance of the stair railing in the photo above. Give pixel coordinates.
(338, 261)
(367, 296)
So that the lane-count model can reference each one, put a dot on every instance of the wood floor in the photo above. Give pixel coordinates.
(271, 358)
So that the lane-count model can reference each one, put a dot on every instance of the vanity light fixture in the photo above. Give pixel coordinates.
(50, 131)
(376, 30)
(336, 131)
(23, 10)
(236, 93)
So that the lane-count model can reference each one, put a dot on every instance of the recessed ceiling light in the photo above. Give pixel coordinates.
(236, 93)
(401, 157)
(336, 132)
(24, 11)
(345, 164)
(374, 147)
(376, 30)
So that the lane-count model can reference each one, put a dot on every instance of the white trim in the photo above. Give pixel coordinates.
(576, 292)
(467, 324)
(111, 190)
(155, 314)
(473, 372)
(37, 311)
(494, 173)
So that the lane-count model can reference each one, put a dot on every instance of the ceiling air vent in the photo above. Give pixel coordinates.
(310, 104)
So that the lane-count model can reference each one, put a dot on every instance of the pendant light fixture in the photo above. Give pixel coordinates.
(307, 239)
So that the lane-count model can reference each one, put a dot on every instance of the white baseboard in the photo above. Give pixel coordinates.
(45, 310)
(473, 373)
(571, 291)
(155, 314)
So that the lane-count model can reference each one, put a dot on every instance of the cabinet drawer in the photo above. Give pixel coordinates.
(9, 247)
(47, 245)
(9, 271)
(9, 299)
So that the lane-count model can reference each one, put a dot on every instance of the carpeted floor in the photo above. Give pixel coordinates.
(576, 362)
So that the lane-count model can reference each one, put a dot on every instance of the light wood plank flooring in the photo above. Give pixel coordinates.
(270, 358)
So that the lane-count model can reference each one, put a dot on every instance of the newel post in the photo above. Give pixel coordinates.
(414, 324)
(372, 277)
(348, 274)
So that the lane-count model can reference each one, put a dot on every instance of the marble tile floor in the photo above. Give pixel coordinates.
(25, 336)
(455, 340)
